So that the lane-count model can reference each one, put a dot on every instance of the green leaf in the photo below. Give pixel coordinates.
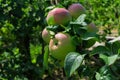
(119, 51)
(104, 57)
(109, 60)
(105, 73)
(45, 61)
(89, 39)
(89, 42)
(34, 52)
(89, 34)
(112, 59)
(114, 45)
(97, 76)
(100, 50)
(50, 8)
(72, 61)
(80, 20)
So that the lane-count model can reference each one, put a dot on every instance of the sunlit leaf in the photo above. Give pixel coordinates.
(109, 60)
(98, 76)
(80, 20)
(114, 40)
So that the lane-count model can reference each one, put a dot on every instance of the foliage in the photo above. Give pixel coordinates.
(104, 13)
(25, 56)
(20, 26)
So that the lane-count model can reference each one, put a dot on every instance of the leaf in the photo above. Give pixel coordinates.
(112, 59)
(100, 50)
(109, 60)
(89, 34)
(80, 23)
(119, 51)
(80, 20)
(34, 52)
(45, 61)
(50, 8)
(88, 38)
(104, 57)
(72, 62)
(97, 76)
(114, 45)
(89, 42)
(105, 73)
(114, 40)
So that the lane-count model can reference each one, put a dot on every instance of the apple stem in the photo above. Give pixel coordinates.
(63, 27)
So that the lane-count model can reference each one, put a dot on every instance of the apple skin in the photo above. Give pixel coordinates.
(76, 10)
(91, 27)
(46, 35)
(61, 45)
(58, 16)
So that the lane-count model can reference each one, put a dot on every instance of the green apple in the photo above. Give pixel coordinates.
(76, 10)
(46, 35)
(58, 16)
(61, 45)
(91, 27)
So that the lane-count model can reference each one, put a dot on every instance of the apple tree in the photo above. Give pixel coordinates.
(56, 40)
(82, 59)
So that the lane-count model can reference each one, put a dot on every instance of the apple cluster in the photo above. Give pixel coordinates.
(62, 43)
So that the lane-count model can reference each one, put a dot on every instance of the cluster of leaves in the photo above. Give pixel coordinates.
(95, 63)
(105, 13)
(100, 63)
(21, 23)
(22, 48)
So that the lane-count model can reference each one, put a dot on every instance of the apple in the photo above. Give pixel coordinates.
(46, 35)
(58, 16)
(91, 27)
(61, 45)
(76, 10)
